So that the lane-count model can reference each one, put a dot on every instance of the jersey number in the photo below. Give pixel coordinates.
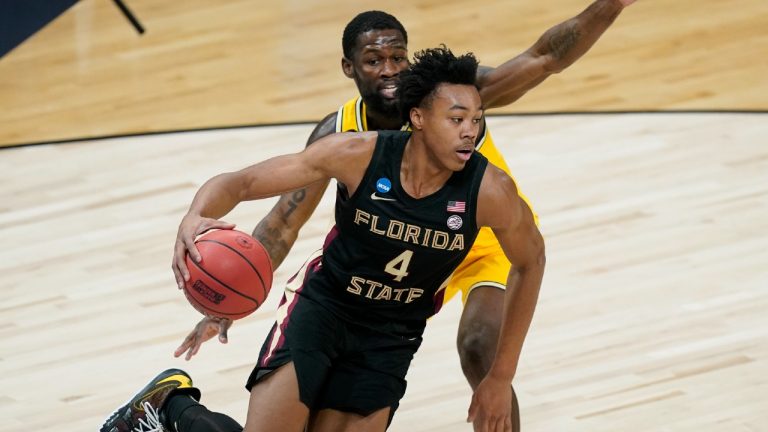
(398, 267)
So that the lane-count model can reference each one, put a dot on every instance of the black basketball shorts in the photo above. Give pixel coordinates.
(339, 365)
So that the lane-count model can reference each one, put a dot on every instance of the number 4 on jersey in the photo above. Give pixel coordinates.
(398, 267)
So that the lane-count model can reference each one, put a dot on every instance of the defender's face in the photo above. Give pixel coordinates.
(451, 123)
(377, 60)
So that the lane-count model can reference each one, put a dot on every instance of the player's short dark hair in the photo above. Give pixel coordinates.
(431, 68)
(365, 22)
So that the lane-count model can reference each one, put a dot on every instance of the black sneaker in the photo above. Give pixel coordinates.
(142, 412)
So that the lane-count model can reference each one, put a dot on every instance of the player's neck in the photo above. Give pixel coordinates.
(377, 121)
(420, 174)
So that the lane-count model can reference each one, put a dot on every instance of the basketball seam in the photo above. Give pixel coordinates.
(225, 285)
(258, 273)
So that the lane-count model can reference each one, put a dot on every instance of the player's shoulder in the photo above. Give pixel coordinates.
(325, 127)
(496, 199)
(497, 184)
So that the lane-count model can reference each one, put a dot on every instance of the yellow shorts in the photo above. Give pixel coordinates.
(484, 265)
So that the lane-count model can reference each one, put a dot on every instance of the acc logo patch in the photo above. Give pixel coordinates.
(455, 222)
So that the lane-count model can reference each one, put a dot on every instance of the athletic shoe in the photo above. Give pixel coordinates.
(142, 412)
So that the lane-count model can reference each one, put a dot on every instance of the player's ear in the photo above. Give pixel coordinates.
(346, 66)
(417, 118)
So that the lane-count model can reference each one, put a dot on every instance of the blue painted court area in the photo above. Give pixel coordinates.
(20, 19)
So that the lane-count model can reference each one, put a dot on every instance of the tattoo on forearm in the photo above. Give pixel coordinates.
(273, 241)
(563, 40)
(296, 198)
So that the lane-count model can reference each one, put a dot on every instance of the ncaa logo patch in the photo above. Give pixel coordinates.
(455, 222)
(383, 185)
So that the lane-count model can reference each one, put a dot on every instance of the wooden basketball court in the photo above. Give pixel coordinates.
(211, 64)
(652, 309)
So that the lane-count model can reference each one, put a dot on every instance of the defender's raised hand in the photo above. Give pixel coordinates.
(206, 329)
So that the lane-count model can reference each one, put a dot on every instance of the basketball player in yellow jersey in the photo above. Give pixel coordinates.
(374, 53)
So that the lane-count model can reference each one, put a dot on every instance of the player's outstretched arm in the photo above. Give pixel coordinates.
(341, 156)
(278, 230)
(501, 208)
(558, 48)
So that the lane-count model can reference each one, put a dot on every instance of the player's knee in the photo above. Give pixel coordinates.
(479, 329)
(477, 344)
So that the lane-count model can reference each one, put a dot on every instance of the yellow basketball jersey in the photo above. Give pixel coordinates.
(351, 118)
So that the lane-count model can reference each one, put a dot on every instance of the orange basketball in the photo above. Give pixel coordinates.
(233, 278)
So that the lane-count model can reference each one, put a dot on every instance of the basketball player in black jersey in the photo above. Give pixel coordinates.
(375, 52)
(383, 40)
(409, 206)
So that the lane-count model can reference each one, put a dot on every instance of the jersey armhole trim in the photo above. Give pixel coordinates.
(360, 115)
(339, 119)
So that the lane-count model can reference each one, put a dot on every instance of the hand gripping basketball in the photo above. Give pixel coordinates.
(233, 276)
(191, 227)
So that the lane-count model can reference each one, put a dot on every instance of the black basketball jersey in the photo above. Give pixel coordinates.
(388, 258)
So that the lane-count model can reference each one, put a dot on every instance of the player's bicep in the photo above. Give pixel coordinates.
(276, 176)
(502, 85)
(501, 208)
(344, 156)
(521, 242)
(339, 156)
(322, 159)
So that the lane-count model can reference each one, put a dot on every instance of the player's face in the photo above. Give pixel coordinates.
(450, 124)
(377, 60)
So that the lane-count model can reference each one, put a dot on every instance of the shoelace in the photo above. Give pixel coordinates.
(152, 421)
